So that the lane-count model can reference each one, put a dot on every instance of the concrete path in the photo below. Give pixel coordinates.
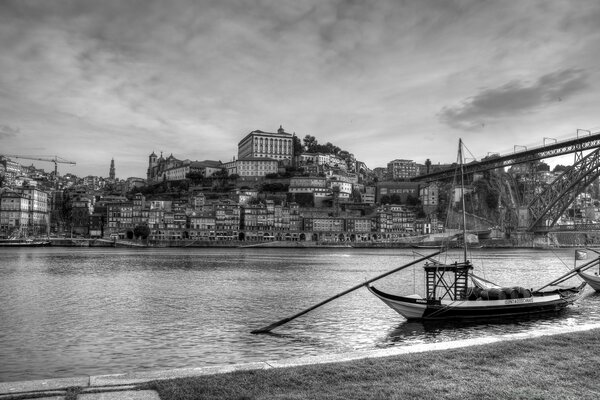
(124, 386)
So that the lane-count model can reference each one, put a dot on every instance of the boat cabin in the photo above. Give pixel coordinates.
(447, 280)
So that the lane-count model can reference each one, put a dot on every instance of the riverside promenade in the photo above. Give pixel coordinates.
(131, 385)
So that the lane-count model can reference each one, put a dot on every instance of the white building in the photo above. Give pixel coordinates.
(278, 146)
(256, 166)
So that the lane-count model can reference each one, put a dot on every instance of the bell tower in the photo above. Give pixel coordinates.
(111, 173)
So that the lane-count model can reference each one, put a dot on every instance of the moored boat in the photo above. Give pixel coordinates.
(24, 243)
(454, 292)
(592, 280)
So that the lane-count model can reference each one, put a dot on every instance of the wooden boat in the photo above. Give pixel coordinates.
(592, 280)
(453, 292)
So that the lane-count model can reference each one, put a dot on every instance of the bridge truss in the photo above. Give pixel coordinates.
(575, 145)
(544, 209)
(548, 206)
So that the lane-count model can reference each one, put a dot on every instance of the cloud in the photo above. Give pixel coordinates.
(8, 132)
(514, 98)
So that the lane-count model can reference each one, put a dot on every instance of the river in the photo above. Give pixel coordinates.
(69, 312)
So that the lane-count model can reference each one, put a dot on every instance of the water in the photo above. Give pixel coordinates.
(68, 312)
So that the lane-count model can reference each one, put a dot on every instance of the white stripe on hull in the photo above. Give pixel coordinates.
(407, 310)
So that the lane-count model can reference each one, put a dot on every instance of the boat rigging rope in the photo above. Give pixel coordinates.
(556, 255)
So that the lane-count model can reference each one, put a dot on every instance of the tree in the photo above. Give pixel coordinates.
(310, 142)
(195, 177)
(412, 200)
(297, 145)
(396, 199)
(542, 166)
(142, 231)
(560, 168)
(254, 201)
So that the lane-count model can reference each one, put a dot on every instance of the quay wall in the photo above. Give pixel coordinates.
(516, 240)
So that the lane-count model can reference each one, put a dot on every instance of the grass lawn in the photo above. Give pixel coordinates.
(553, 367)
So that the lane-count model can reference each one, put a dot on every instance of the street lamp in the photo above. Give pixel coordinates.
(584, 130)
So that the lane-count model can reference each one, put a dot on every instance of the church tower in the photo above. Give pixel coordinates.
(111, 174)
(152, 160)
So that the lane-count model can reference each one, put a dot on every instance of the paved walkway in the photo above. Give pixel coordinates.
(125, 386)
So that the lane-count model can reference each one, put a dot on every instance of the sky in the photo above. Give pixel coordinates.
(90, 81)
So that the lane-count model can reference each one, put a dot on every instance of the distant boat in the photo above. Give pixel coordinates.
(428, 246)
(24, 243)
(454, 292)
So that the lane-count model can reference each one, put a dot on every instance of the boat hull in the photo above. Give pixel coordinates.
(592, 280)
(16, 243)
(413, 308)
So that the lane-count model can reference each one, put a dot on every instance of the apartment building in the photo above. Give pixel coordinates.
(120, 218)
(24, 211)
(14, 214)
(402, 169)
(81, 210)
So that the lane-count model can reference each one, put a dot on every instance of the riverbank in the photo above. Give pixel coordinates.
(554, 363)
(82, 242)
(552, 367)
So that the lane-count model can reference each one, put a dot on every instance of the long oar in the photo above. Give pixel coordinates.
(571, 273)
(288, 319)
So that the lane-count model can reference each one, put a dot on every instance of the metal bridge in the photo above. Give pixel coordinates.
(558, 148)
(545, 208)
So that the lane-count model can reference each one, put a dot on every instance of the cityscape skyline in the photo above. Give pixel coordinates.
(91, 82)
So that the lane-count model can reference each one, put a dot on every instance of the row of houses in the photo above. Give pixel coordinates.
(208, 220)
(28, 210)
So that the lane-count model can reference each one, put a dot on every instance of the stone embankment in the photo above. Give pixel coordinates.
(517, 240)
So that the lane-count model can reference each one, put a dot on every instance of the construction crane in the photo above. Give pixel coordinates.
(55, 159)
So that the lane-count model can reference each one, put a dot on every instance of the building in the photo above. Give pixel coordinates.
(256, 166)
(10, 169)
(81, 210)
(402, 169)
(24, 211)
(367, 195)
(120, 218)
(330, 160)
(204, 168)
(14, 214)
(278, 146)
(133, 183)
(315, 186)
(342, 189)
(397, 192)
(157, 167)
(430, 196)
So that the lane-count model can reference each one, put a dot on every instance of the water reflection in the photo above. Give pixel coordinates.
(436, 331)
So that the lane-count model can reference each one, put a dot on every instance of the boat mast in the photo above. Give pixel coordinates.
(462, 197)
